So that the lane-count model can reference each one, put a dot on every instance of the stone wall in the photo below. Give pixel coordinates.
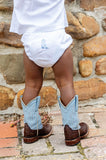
(87, 26)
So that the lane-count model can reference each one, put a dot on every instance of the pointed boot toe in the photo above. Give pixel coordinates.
(84, 130)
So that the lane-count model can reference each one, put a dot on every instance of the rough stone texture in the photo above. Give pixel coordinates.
(95, 47)
(85, 68)
(7, 96)
(57, 128)
(96, 153)
(94, 132)
(97, 107)
(5, 18)
(101, 66)
(7, 50)
(73, 156)
(12, 67)
(69, 1)
(93, 141)
(35, 148)
(13, 158)
(9, 152)
(57, 120)
(101, 119)
(18, 98)
(81, 26)
(48, 74)
(48, 97)
(9, 38)
(6, 5)
(104, 24)
(91, 4)
(11, 142)
(85, 117)
(96, 147)
(92, 88)
(58, 143)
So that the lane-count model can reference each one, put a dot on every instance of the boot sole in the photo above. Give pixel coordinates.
(76, 141)
(72, 142)
(34, 139)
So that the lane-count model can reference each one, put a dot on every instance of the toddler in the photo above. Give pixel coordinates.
(42, 26)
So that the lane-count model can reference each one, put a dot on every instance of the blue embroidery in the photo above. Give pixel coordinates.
(43, 44)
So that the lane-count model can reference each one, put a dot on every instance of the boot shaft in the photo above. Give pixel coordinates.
(31, 114)
(70, 113)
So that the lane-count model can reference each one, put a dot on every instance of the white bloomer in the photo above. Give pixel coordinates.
(45, 48)
(42, 26)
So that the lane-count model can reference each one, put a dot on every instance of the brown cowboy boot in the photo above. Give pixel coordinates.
(33, 127)
(31, 136)
(72, 137)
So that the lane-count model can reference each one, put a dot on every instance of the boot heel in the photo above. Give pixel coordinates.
(30, 140)
(72, 142)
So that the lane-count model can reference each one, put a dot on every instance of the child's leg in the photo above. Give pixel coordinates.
(33, 128)
(63, 71)
(68, 101)
(33, 80)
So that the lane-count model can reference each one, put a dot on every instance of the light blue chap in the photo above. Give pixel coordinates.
(70, 113)
(31, 114)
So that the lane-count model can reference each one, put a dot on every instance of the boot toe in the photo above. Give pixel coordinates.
(46, 131)
(84, 130)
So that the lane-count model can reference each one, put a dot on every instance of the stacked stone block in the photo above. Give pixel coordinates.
(87, 26)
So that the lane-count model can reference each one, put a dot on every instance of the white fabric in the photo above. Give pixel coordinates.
(40, 15)
(45, 48)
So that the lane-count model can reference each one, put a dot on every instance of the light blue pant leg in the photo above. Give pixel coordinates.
(70, 113)
(31, 114)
